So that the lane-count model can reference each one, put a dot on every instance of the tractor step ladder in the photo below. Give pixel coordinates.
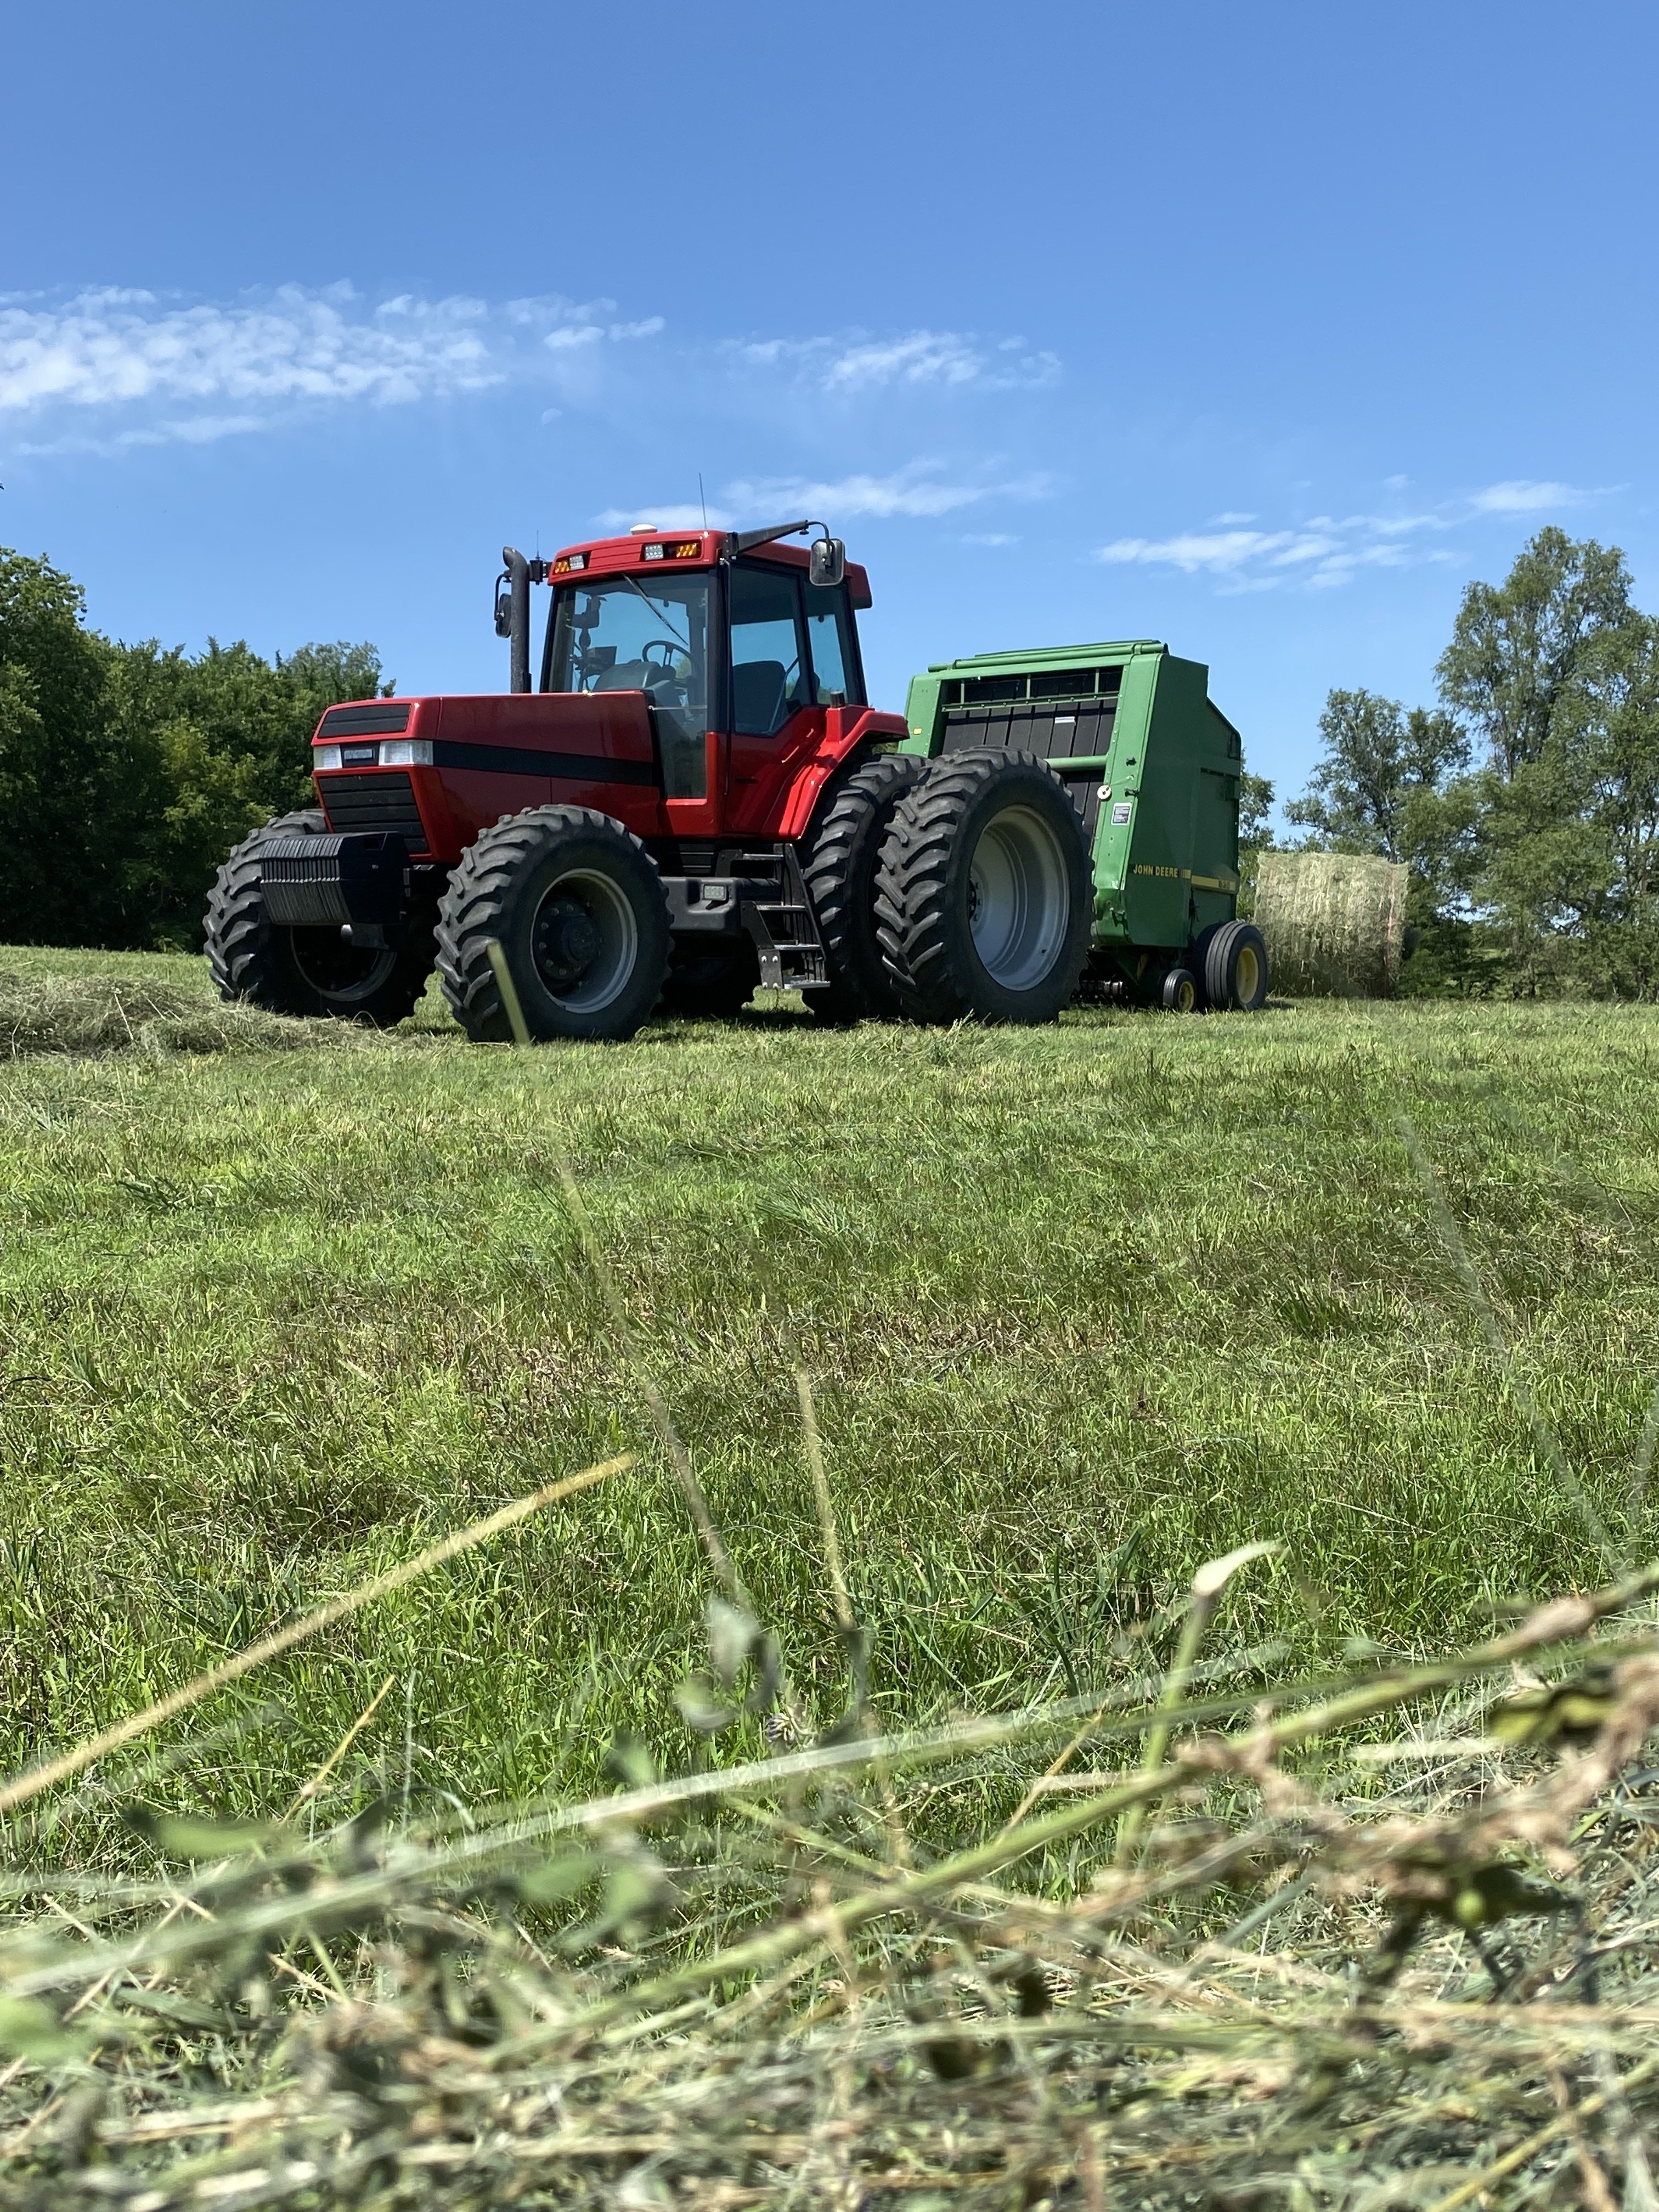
(783, 924)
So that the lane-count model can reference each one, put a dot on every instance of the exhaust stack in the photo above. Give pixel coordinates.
(513, 612)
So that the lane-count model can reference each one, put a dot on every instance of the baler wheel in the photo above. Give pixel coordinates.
(303, 972)
(580, 910)
(1180, 991)
(985, 900)
(838, 859)
(1232, 960)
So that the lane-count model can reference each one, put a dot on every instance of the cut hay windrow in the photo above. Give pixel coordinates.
(1345, 1966)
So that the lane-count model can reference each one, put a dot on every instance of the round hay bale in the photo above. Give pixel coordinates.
(1334, 923)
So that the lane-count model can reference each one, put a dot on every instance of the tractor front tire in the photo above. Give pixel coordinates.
(1232, 960)
(578, 909)
(839, 857)
(304, 971)
(985, 897)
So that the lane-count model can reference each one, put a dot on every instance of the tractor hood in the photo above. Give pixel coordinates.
(436, 771)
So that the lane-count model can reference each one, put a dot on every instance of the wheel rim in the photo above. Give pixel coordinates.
(1019, 902)
(584, 940)
(347, 974)
(1185, 996)
(1247, 976)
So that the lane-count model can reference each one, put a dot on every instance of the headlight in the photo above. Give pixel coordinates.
(390, 752)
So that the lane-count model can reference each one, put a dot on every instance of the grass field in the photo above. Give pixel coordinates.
(1083, 1307)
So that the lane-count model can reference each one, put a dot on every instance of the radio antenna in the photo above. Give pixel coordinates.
(701, 502)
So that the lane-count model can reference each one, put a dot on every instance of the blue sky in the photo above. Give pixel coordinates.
(1260, 330)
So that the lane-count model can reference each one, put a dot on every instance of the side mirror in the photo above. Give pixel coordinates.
(503, 607)
(826, 563)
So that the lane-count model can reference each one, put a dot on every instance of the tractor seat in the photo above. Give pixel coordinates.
(624, 675)
(757, 695)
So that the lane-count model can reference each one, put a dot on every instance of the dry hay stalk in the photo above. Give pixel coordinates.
(1306, 1983)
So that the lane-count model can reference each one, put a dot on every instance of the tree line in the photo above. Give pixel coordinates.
(127, 772)
(1525, 802)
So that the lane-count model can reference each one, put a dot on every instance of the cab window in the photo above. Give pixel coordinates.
(620, 634)
(769, 657)
(834, 651)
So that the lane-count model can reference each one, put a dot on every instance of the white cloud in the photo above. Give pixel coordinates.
(858, 362)
(1519, 496)
(916, 489)
(162, 372)
(1326, 550)
(925, 357)
(106, 348)
(1322, 552)
(665, 514)
(1220, 551)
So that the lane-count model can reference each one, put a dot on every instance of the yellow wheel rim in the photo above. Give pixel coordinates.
(1247, 976)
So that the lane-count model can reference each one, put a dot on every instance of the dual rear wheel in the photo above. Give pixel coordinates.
(984, 901)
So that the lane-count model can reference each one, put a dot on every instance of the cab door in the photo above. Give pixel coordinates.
(777, 725)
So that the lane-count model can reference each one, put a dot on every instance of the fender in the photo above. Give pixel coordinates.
(848, 731)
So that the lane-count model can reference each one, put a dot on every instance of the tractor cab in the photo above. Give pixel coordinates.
(741, 647)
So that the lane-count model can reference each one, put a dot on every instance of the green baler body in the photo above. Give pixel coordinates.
(1153, 766)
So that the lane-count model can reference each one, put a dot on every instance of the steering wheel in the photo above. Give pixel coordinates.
(663, 670)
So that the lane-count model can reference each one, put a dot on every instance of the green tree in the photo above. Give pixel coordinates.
(1378, 760)
(1550, 669)
(1518, 647)
(1255, 804)
(128, 772)
(54, 781)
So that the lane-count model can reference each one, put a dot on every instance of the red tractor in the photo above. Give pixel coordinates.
(697, 798)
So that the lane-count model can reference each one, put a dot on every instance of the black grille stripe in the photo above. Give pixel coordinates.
(353, 721)
(522, 760)
(380, 800)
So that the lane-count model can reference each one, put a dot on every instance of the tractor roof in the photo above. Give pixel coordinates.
(673, 548)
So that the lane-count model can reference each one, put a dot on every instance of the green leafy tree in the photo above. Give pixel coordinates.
(219, 743)
(1550, 668)
(1255, 805)
(54, 781)
(128, 772)
(1378, 760)
(1518, 647)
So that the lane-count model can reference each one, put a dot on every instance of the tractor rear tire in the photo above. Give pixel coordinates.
(839, 856)
(985, 897)
(578, 909)
(304, 971)
(707, 986)
(1232, 960)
